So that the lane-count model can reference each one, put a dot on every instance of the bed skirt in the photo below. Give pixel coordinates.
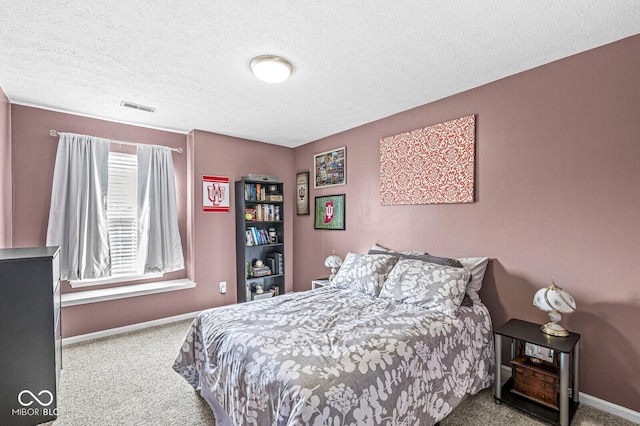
(218, 412)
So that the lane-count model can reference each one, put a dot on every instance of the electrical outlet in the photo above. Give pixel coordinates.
(223, 287)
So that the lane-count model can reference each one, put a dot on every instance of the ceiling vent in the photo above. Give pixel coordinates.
(137, 106)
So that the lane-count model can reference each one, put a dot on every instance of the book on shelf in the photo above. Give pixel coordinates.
(260, 271)
(272, 264)
(264, 212)
(278, 261)
(250, 212)
(273, 197)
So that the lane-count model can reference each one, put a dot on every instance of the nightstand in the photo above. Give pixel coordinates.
(320, 282)
(546, 394)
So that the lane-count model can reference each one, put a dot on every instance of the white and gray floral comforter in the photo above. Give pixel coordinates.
(337, 357)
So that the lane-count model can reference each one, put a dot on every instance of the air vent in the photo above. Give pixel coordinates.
(137, 106)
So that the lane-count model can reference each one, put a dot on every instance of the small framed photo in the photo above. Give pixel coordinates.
(330, 212)
(539, 352)
(302, 193)
(330, 168)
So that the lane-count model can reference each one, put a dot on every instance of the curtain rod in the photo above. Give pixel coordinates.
(178, 150)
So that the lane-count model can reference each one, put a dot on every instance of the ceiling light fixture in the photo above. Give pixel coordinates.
(271, 69)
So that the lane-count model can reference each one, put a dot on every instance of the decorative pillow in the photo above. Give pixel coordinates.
(435, 287)
(424, 257)
(378, 248)
(477, 266)
(364, 273)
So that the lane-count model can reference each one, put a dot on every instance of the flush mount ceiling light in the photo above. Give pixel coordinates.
(270, 68)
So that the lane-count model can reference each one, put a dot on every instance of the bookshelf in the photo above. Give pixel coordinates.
(259, 238)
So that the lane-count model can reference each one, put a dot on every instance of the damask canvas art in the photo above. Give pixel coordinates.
(432, 165)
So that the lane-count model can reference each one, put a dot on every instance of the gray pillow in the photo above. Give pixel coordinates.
(378, 248)
(438, 288)
(424, 257)
(364, 273)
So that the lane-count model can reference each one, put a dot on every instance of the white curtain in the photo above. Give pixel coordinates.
(77, 216)
(160, 249)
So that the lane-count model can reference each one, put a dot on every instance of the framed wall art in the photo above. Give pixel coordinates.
(330, 212)
(215, 193)
(302, 193)
(330, 168)
(432, 165)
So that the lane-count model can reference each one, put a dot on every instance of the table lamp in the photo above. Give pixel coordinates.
(555, 300)
(334, 262)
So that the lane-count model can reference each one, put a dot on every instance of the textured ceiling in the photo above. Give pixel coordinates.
(355, 61)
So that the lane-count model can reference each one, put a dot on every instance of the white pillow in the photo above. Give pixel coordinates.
(477, 266)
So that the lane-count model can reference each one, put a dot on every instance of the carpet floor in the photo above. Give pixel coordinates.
(128, 380)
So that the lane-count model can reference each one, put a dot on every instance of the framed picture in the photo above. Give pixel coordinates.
(329, 212)
(539, 352)
(330, 168)
(215, 193)
(302, 193)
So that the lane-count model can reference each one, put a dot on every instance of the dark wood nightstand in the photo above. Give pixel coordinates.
(546, 394)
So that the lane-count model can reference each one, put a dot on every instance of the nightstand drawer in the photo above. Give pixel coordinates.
(538, 382)
(534, 375)
(543, 395)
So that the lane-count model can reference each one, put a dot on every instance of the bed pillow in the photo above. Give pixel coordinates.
(363, 272)
(477, 266)
(378, 248)
(438, 288)
(425, 257)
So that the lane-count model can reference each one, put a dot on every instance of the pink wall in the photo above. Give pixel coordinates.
(557, 195)
(33, 162)
(6, 192)
(208, 239)
(214, 233)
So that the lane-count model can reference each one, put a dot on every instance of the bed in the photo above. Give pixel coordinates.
(361, 351)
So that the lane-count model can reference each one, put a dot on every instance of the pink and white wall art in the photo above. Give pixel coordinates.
(432, 165)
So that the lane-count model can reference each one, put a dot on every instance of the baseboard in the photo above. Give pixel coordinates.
(600, 404)
(127, 328)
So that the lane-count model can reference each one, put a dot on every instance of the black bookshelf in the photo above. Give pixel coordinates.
(260, 218)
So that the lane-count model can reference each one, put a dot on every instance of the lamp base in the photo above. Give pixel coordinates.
(554, 329)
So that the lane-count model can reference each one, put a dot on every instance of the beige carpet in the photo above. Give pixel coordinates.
(128, 380)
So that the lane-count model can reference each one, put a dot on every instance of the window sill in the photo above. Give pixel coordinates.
(112, 280)
(114, 293)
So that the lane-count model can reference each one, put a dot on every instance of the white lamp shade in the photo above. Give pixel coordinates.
(554, 298)
(333, 261)
(271, 69)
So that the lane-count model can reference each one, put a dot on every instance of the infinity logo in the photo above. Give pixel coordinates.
(35, 398)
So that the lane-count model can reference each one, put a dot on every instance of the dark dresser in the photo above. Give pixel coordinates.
(30, 335)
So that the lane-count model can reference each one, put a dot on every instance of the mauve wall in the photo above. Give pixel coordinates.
(33, 163)
(5, 171)
(208, 238)
(214, 233)
(557, 195)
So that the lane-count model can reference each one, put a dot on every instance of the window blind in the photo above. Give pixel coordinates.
(122, 219)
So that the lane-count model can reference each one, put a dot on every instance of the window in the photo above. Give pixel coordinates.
(140, 237)
(122, 222)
